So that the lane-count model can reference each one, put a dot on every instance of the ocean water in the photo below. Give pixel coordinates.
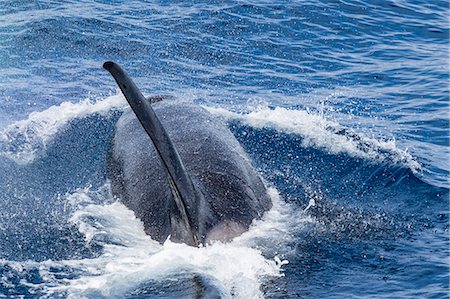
(343, 106)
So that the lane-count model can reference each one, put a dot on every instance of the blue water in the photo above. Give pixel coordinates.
(375, 74)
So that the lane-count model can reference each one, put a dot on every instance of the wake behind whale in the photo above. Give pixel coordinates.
(195, 183)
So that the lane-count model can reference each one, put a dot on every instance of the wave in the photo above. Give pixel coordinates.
(319, 132)
(131, 259)
(25, 140)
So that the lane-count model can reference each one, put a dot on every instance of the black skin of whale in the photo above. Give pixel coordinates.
(228, 191)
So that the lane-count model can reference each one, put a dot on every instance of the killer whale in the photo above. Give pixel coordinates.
(181, 170)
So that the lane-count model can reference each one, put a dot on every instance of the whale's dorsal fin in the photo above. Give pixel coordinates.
(184, 192)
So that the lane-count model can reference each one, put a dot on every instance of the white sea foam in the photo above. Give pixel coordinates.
(130, 258)
(24, 140)
(27, 139)
(318, 131)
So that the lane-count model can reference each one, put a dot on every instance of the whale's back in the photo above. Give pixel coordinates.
(233, 191)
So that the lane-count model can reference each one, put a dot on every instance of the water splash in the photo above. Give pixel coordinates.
(130, 258)
(25, 140)
(319, 132)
